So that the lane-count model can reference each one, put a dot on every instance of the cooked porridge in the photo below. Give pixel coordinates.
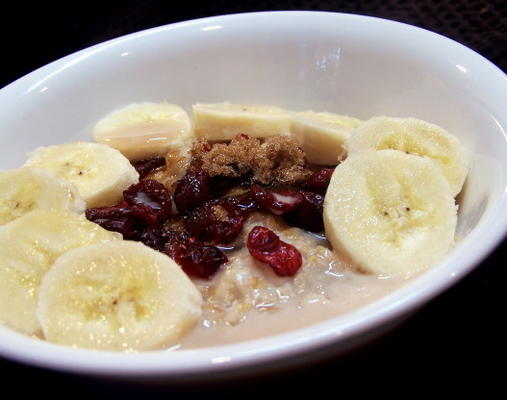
(250, 221)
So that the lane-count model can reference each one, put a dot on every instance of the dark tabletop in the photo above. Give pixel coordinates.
(457, 340)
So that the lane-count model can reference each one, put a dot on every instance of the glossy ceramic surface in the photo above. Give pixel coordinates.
(347, 64)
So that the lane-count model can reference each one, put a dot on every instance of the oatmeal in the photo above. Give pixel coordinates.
(225, 237)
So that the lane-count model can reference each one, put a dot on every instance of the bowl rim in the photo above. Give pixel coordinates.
(294, 343)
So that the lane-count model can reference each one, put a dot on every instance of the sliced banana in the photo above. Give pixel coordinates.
(26, 189)
(100, 172)
(392, 213)
(142, 130)
(223, 121)
(30, 245)
(322, 135)
(417, 137)
(117, 296)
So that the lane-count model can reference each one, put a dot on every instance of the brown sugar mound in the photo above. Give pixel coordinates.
(278, 160)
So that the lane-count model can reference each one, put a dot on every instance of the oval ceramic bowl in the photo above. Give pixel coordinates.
(347, 64)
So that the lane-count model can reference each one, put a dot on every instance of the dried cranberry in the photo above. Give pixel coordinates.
(147, 165)
(308, 214)
(123, 218)
(276, 202)
(246, 202)
(195, 258)
(152, 194)
(219, 184)
(219, 221)
(192, 190)
(125, 226)
(319, 181)
(202, 261)
(152, 237)
(265, 246)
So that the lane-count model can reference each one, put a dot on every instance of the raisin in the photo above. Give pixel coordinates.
(308, 214)
(192, 190)
(265, 245)
(147, 165)
(152, 194)
(276, 202)
(218, 221)
(319, 181)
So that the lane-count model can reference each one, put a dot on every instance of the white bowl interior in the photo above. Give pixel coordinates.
(300, 60)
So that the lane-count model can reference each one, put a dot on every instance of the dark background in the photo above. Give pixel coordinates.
(457, 340)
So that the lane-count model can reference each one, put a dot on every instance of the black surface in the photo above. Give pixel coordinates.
(456, 340)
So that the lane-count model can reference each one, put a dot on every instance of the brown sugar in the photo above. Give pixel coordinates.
(220, 213)
(278, 160)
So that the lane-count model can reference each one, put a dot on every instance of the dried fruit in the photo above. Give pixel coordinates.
(319, 181)
(153, 237)
(192, 190)
(308, 214)
(152, 194)
(276, 202)
(123, 218)
(147, 165)
(218, 221)
(265, 245)
(195, 258)
(219, 185)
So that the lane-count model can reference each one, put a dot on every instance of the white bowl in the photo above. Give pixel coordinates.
(348, 64)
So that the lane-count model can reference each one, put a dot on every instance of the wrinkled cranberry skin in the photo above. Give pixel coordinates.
(246, 202)
(147, 165)
(319, 181)
(123, 218)
(150, 193)
(308, 214)
(196, 259)
(155, 237)
(192, 190)
(276, 202)
(204, 223)
(263, 240)
(201, 262)
(219, 185)
(125, 226)
(265, 245)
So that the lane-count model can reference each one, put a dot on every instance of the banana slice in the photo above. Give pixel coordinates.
(100, 172)
(30, 245)
(223, 121)
(322, 135)
(26, 189)
(392, 213)
(117, 296)
(417, 137)
(142, 130)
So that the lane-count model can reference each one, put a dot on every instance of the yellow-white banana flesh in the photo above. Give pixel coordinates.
(143, 130)
(417, 137)
(26, 189)
(223, 121)
(30, 245)
(322, 135)
(390, 212)
(99, 172)
(120, 296)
